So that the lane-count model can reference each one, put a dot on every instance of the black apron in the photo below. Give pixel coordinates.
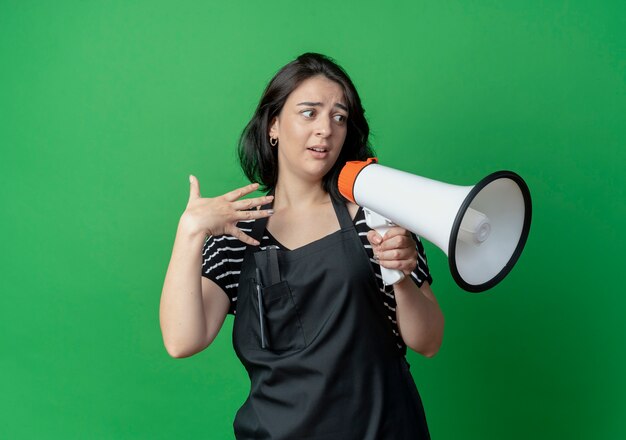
(320, 352)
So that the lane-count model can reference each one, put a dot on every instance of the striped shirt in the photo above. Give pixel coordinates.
(222, 258)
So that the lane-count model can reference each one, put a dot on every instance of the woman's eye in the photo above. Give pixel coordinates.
(340, 118)
(308, 113)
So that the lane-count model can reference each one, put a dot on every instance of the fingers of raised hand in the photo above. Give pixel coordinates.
(194, 187)
(253, 214)
(241, 205)
(240, 192)
(240, 235)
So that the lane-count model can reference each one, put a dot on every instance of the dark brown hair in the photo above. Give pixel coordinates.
(259, 160)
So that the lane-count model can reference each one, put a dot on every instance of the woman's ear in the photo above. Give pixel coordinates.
(274, 128)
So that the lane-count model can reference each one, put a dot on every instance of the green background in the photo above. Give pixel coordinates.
(106, 108)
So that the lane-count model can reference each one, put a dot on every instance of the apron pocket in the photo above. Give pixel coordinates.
(283, 329)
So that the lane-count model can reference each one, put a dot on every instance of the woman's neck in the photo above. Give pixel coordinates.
(298, 194)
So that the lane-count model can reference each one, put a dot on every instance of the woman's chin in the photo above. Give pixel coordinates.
(318, 170)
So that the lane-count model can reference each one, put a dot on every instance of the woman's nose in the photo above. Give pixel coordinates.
(324, 129)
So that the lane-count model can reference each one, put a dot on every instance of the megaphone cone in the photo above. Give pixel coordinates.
(481, 228)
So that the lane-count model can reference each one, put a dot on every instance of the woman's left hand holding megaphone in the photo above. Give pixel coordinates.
(396, 250)
(419, 317)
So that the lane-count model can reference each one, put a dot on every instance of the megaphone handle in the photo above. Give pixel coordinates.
(381, 225)
(391, 276)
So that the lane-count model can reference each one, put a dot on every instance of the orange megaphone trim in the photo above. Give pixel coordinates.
(348, 176)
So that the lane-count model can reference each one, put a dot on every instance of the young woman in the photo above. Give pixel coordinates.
(322, 339)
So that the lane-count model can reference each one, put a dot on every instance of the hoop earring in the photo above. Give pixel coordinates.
(273, 144)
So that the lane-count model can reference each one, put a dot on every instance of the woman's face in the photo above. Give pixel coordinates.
(311, 129)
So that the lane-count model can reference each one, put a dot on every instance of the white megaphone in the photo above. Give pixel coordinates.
(481, 228)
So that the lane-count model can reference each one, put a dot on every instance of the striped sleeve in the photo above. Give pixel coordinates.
(421, 272)
(222, 258)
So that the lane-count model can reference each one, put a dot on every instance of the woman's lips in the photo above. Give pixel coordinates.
(318, 152)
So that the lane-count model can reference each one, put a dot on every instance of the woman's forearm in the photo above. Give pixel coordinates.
(419, 317)
(183, 323)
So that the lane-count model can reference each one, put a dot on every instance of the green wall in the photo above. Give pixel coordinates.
(106, 108)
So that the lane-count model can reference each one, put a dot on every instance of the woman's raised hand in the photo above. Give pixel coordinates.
(219, 215)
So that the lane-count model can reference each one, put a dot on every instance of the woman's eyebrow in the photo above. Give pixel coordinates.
(318, 104)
